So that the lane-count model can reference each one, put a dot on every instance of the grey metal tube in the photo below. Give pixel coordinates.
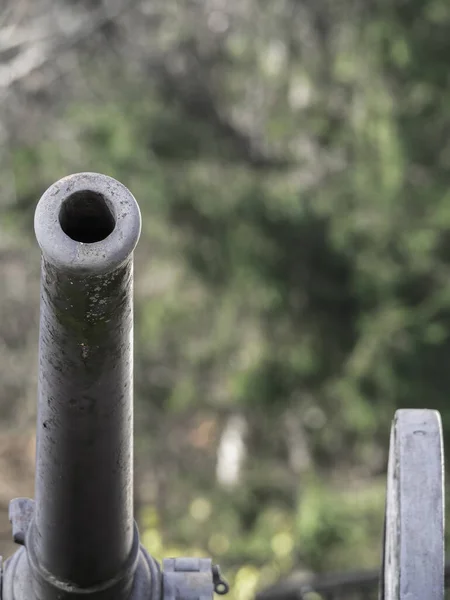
(87, 226)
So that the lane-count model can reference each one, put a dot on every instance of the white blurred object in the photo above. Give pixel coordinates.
(232, 451)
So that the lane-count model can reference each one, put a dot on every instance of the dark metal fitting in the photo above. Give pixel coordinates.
(221, 586)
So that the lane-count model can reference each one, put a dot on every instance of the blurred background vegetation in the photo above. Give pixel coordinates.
(292, 162)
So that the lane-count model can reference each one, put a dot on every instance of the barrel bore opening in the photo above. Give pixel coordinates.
(86, 217)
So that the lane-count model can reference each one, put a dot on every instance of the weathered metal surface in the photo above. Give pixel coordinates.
(187, 579)
(79, 537)
(84, 461)
(413, 554)
(21, 513)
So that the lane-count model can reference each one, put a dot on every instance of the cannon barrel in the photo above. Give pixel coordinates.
(78, 537)
(87, 227)
(81, 535)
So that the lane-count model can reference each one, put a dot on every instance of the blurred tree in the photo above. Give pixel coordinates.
(291, 164)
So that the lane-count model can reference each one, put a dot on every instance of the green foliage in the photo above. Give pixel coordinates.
(310, 296)
(331, 523)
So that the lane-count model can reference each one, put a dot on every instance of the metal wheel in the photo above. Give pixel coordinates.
(413, 552)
